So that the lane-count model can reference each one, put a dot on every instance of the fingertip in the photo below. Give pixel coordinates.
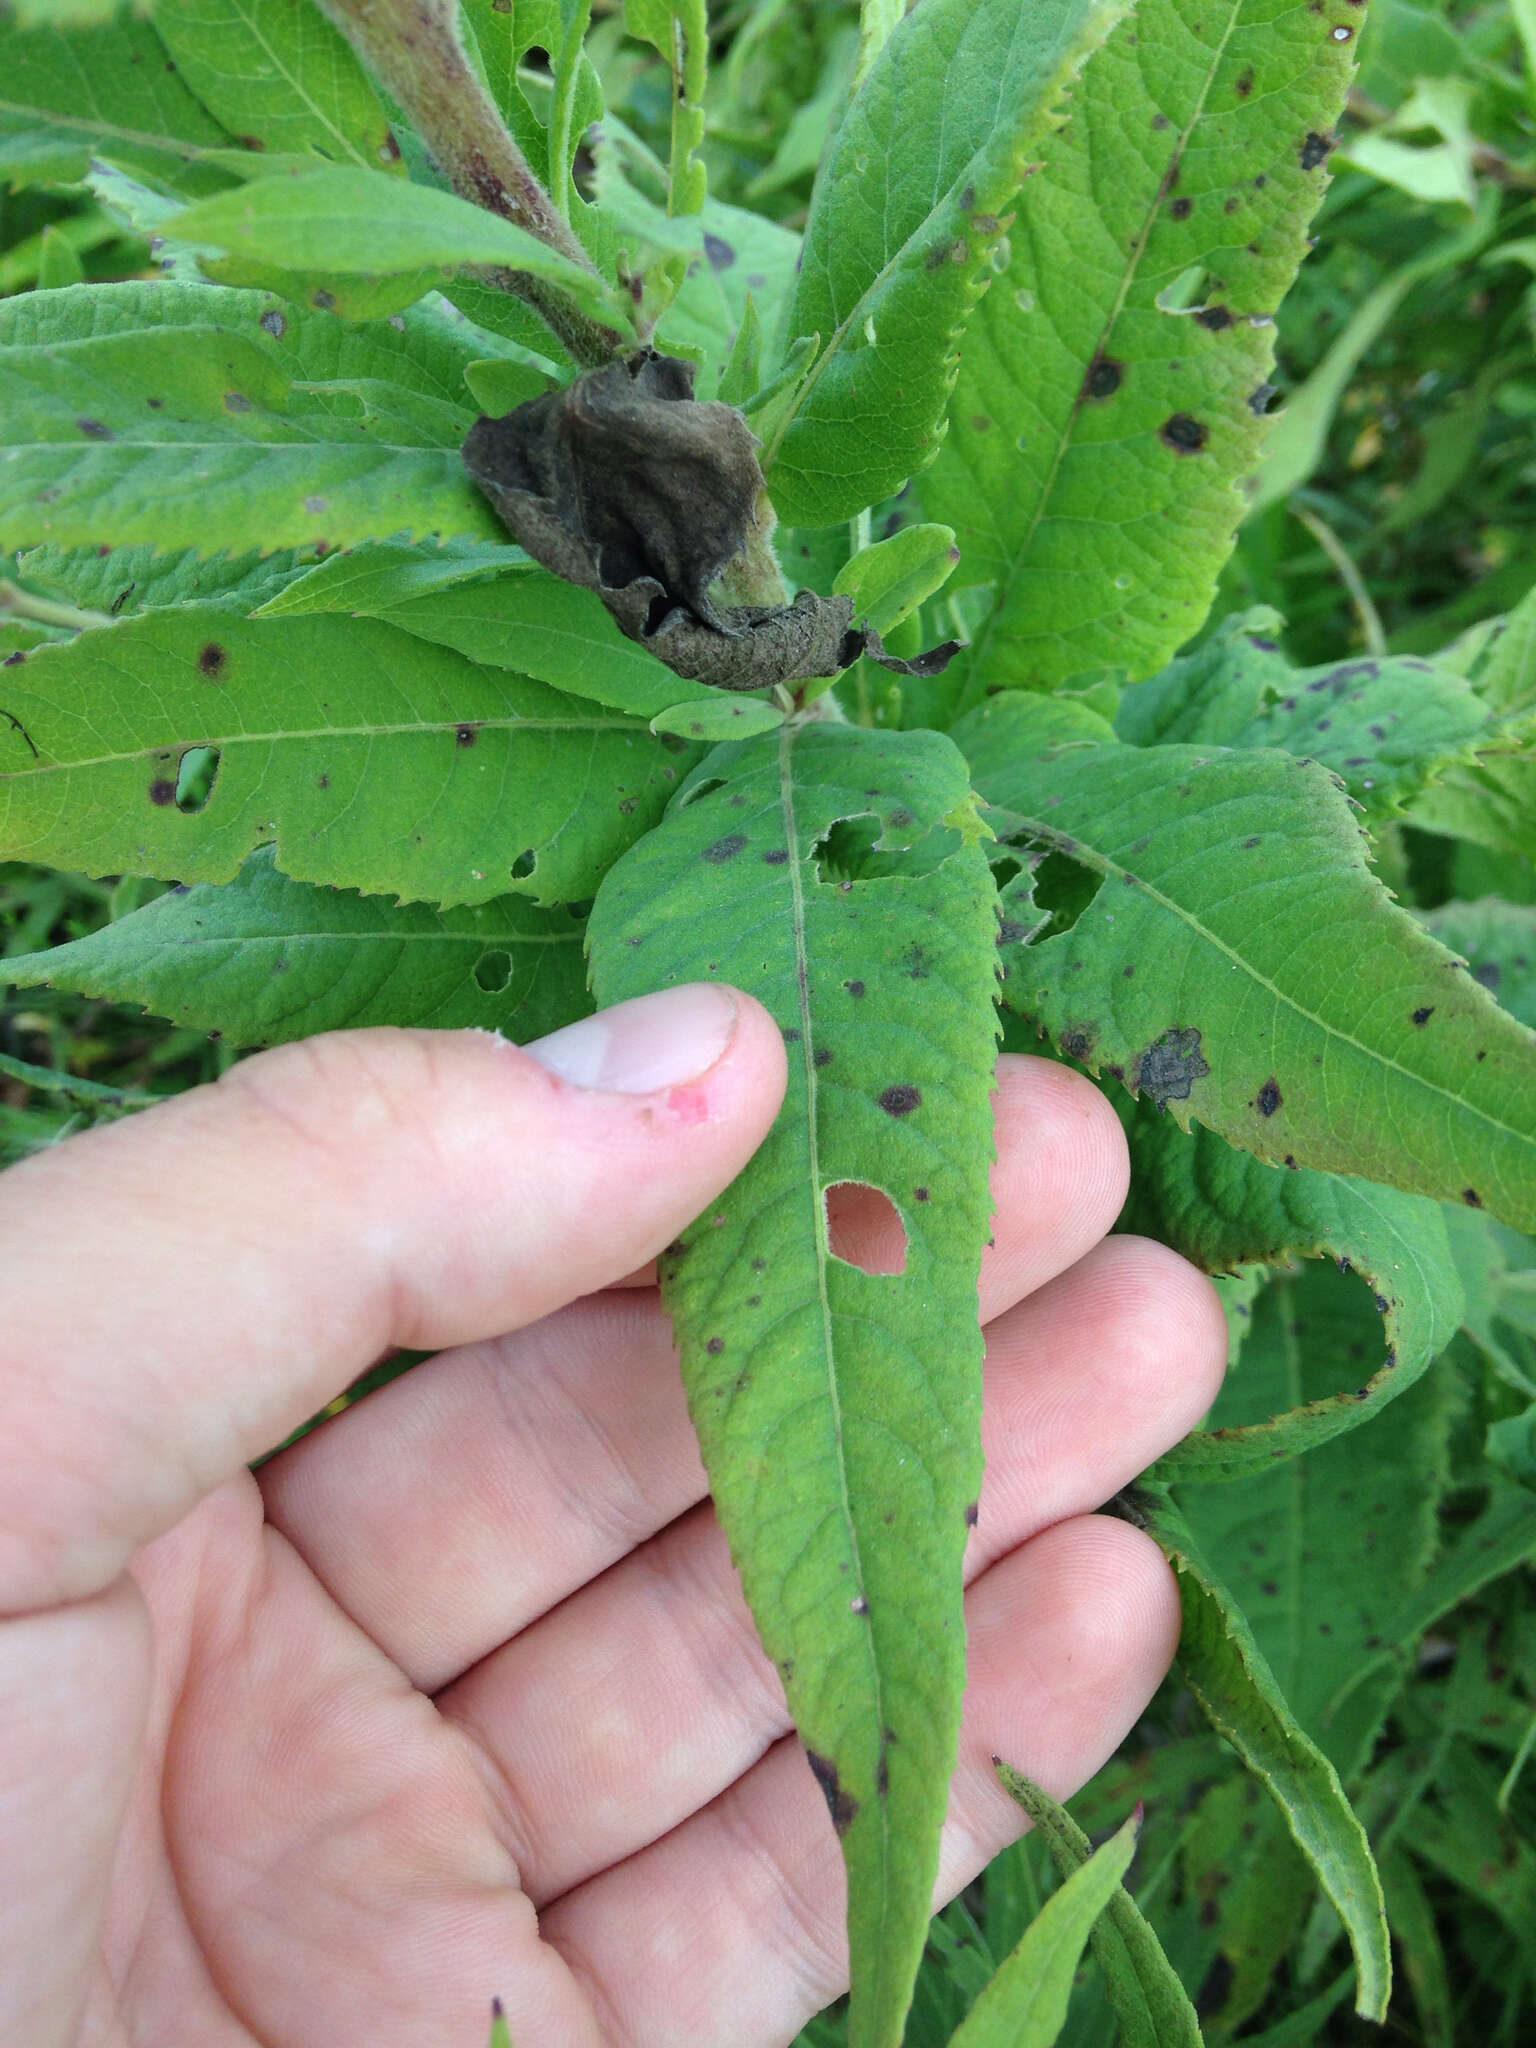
(1061, 1177)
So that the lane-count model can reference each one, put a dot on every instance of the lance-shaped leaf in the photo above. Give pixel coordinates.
(1025, 2005)
(906, 228)
(1319, 1556)
(1223, 1209)
(1387, 726)
(838, 1409)
(278, 77)
(1222, 947)
(121, 581)
(1227, 1672)
(264, 959)
(1113, 378)
(1150, 2004)
(175, 743)
(113, 91)
(187, 416)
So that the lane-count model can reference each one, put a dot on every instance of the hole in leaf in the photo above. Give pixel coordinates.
(1186, 293)
(847, 850)
(706, 787)
(524, 865)
(1063, 891)
(864, 1228)
(493, 971)
(196, 773)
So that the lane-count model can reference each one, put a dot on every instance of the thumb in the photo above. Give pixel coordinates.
(253, 1246)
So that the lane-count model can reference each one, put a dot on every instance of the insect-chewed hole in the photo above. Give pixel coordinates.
(524, 865)
(493, 970)
(196, 773)
(864, 1228)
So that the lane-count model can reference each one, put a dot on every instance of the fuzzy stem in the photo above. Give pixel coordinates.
(17, 603)
(412, 48)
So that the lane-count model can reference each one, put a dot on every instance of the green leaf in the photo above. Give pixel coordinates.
(90, 1098)
(720, 717)
(1224, 949)
(1148, 2000)
(905, 231)
(1386, 726)
(838, 1409)
(679, 30)
(366, 580)
(368, 759)
(279, 77)
(122, 581)
(745, 256)
(362, 224)
(187, 416)
(1025, 2005)
(1228, 1674)
(1319, 1556)
(889, 580)
(500, 385)
(1106, 408)
(263, 960)
(531, 621)
(1252, 1888)
(1223, 1209)
(113, 92)
(1419, 1948)
(1498, 942)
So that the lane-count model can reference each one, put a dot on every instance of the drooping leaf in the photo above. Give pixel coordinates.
(1148, 2000)
(113, 92)
(1109, 401)
(360, 223)
(838, 1409)
(1387, 727)
(263, 960)
(530, 621)
(1025, 2005)
(1223, 948)
(1227, 1672)
(1320, 1555)
(906, 227)
(187, 416)
(366, 757)
(278, 77)
(1223, 1209)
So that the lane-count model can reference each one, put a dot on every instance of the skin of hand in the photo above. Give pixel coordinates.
(458, 1696)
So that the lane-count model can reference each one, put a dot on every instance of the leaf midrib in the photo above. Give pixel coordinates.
(1104, 864)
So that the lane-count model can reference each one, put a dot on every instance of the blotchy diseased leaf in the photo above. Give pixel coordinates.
(1227, 1672)
(1224, 1209)
(1387, 726)
(121, 581)
(1145, 1995)
(263, 960)
(189, 416)
(1025, 2005)
(1113, 381)
(279, 77)
(838, 1410)
(367, 758)
(907, 225)
(1223, 948)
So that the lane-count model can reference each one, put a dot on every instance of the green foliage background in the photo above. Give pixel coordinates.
(1383, 1578)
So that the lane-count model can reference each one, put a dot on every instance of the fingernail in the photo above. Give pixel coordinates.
(653, 1042)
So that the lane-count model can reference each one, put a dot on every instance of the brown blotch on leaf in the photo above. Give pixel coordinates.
(725, 849)
(901, 1100)
(1077, 1045)
(1104, 378)
(1169, 1068)
(162, 792)
(1269, 1098)
(627, 485)
(1245, 83)
(842, 1805)
(1183, 434)
(213, 661)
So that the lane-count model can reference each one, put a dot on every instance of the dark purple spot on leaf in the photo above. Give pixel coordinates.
(854, 988)
(1169, 1068)
(1183, 434)
(842, 1806)
(721, 255)
(821, 1058)
(725, 849)
(273, 321)
(1269, 1098)
(323, 299)
(162, 792)
(213, 661)
(1423, 1016)
(1472, 1198)
(94, 430)
(1182, 208)
(1104, 378)
(1314, 151)
(715, 1346)
(776, 856)
(901, 1100)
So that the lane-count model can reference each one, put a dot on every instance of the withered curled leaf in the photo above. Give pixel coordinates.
(625, 483)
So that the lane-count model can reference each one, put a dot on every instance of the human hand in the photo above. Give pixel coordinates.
(458, 1695)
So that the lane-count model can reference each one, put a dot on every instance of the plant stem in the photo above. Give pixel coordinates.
(412, 47)
(21, 604)
(1370, 619)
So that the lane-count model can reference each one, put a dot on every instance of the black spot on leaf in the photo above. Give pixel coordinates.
(919, 1194)
(466, 735)
(1422, 1017)
(821, 1058)
(725, 849)
(213, 661)
(1183, 434)
(721, 255)
(1269, 1098)
(1245, 83)
(1472, 1198)
(854, 988)
(776, 856)
(901, 1099)
(1169, 1068)
(1213, 317)
(1182, 208)
(842, 1805)
(1104, 378)
(94, 430)
(1314, 151)
(715, 1346)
